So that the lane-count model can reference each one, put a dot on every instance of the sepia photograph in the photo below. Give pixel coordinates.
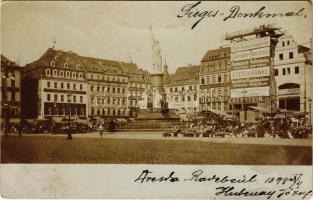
(156, 100)
(156, 83)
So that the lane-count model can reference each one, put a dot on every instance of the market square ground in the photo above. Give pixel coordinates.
(144, 148)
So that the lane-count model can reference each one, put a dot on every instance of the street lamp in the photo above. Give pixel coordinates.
(69, 133)
(310, 111)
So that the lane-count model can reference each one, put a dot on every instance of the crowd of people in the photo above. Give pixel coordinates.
(264, 127)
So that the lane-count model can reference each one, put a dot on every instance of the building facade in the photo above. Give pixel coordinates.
(55, 86)
(10, 91)
(293, 74)
(107, 88)
(182, 89)
(139, 86)
(214, 80)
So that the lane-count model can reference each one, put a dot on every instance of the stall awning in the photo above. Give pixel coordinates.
(219, 112)
(264, 110)
(15, 120)
(82, 121)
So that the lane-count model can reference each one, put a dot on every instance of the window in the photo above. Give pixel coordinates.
(52, 63)
(48, 84)
(183, 88)
(74, 86)
(171, 89)
(68, 86)
(74, 99)
(290, 55)
(61, 73)
(55, 72)
(91, 88)
(202, 81)
(283, 44)
(288, 42)
(208, 79)
(81, 86)
(281, 56)
(48, 97)
(62, 98)
(219, 78)
(55, 98)
(276, 72)
(297, 70)
(62, 85)
(48, 72)
(176, 89)
(284, 71)
(65, 65)
(73, 74)
(80, 75)
(81, 99)
(190, 87)
(288, 71)
(113, 90)
(68, 74)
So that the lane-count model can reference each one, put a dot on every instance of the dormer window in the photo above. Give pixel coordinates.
(80, 75)
(65, 65)
(67, 59)
(55, 72)
(52, 63)
(48, 72)
(78, 66)
(68, 74)
(56, 58)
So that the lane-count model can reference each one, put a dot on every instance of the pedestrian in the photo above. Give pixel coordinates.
(101, 130)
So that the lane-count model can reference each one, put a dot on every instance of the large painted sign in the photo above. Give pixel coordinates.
(250, 61)
(250, 92)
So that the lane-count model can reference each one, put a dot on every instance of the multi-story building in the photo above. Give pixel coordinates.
(293, 74)
(139, 85)
(107, 88)
(54, 85)
(10, 91)
(214, 80)
(182, 89)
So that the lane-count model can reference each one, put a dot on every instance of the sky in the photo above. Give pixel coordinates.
(120, 30)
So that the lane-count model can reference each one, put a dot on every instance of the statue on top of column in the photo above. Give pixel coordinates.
(156, 54)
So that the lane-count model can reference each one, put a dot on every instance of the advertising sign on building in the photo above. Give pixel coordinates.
(250, 92)
(251, 44)
(250, 60)
(250, 73)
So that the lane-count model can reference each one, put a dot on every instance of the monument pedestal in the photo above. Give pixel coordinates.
(157, 82)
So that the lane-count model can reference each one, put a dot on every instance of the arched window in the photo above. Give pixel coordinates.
(48, 72)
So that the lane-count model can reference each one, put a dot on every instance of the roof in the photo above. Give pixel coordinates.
(210, 54)
(185, 75)
(7, 62)
(73, 61)
(58, 59)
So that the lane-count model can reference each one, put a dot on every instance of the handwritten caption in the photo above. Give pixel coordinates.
(269, 187)
(194, 11)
